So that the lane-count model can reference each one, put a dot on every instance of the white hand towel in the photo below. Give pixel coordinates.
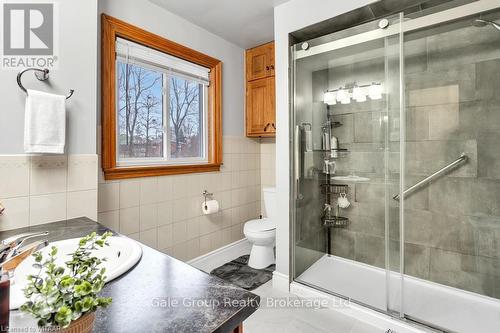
(44, 123)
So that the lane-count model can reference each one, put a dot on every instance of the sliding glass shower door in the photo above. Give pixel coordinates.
(396, 188)
(347, 134)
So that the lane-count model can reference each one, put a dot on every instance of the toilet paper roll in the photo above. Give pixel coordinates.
(210, 207)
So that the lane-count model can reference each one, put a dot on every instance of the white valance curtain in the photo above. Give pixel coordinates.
(130, 52)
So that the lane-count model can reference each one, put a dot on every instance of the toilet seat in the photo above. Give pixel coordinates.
(259, 225)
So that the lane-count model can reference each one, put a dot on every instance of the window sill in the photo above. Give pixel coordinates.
(152, 171)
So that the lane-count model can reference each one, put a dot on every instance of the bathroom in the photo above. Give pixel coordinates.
(341, 155)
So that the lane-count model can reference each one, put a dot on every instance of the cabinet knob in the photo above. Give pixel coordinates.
(265, 127)
(267, 68)
(274, 126)
(272, 67)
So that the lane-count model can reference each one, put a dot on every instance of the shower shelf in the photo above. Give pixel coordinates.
(342, 152)
(334, 124)
(335, 188)
(335, 221)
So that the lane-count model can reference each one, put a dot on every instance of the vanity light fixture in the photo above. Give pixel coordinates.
(330, 98)
(375, 91)
(359, 93)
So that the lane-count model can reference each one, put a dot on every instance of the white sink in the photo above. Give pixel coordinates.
(122, 253)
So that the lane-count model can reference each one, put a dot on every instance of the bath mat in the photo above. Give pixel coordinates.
(239, 273)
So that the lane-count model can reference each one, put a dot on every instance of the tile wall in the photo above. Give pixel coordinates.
(165, 212)
(162, 212)
(42, 189)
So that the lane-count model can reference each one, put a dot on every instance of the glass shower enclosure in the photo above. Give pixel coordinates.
(396, 173)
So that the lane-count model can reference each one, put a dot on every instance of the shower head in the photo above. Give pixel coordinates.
(483, 23)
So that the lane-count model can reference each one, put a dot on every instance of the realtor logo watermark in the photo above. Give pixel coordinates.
(29, 34)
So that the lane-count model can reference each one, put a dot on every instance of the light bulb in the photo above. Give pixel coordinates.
(358, 94)
(342, 95)
(375, 91)
(329, 98)
(346, 101)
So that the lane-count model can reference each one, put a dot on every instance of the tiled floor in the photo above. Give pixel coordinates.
(299, 320)
(269, 319)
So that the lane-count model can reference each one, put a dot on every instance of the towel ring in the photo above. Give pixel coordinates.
(41, 75)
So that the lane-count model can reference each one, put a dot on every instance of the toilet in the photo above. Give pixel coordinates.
(261, 233)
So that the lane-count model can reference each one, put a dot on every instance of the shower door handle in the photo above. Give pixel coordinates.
(296, 160)
(427, 180)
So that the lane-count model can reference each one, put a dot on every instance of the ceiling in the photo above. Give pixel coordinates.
(246, 23)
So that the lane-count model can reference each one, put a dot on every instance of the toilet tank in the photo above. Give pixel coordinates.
(270, 205)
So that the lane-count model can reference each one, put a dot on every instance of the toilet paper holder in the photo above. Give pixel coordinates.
(205, 195)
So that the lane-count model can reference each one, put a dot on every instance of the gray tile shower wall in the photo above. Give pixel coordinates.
(452, 227)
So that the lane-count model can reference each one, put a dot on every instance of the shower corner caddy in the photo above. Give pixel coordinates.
(334, 221)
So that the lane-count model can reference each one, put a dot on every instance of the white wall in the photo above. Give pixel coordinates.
(289, 17)
(77, 70)
(267, 167)
(42, 189)
(157, 20)
(38, 190)
(163, 212)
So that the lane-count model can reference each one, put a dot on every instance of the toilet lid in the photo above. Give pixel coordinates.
(260, 225)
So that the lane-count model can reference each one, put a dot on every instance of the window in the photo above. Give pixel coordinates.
(161, 105)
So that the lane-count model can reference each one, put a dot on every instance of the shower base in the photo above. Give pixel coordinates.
(440, 305)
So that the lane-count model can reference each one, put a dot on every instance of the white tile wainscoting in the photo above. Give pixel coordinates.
(43, 189)
(162, 212)
(165, 212)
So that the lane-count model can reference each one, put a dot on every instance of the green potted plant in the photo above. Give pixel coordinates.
(66, 297)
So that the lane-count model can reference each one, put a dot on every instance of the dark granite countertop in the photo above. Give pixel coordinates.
(159, 294)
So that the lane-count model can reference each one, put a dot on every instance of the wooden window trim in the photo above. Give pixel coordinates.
(113, 28)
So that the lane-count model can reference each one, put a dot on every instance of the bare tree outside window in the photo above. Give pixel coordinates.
(153, 126)
(140, 99)
(185, 109)
(141, 123)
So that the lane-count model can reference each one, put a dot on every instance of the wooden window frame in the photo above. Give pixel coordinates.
(113, 28)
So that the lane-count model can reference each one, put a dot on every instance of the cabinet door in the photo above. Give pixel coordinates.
(270, 112)
(260, 62)
(260, 117)
(270, 52)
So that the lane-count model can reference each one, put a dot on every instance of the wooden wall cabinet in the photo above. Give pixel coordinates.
(260, 92)
(260, 62)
